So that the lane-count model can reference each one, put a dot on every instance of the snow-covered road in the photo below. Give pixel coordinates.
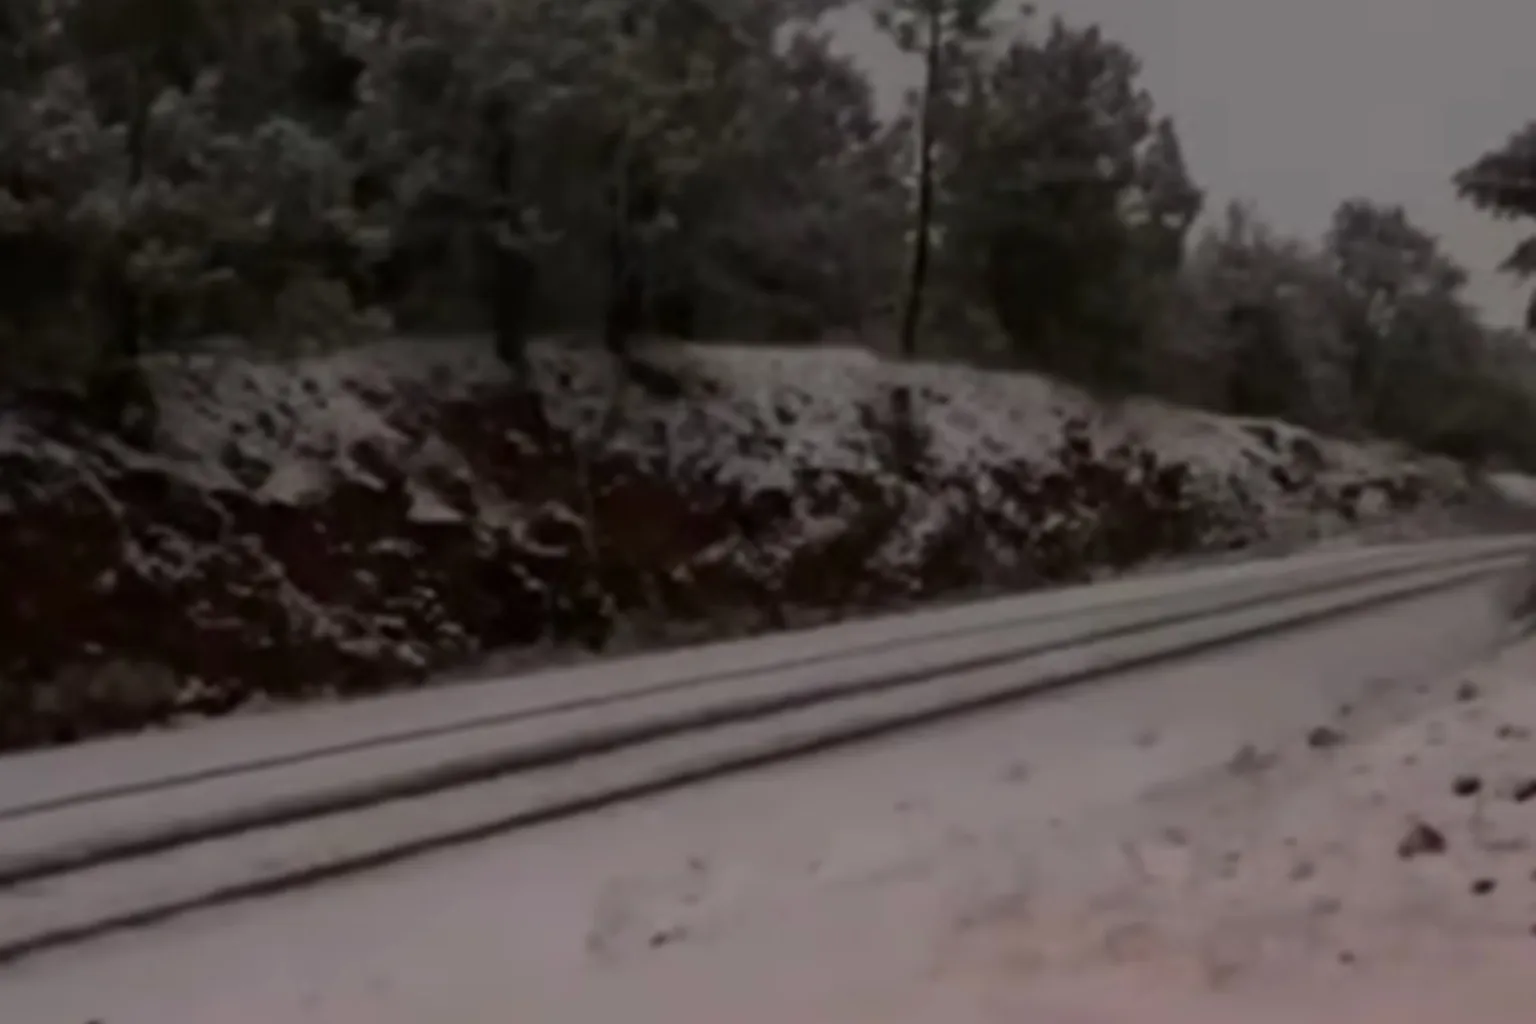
(1197, 827)
(183, 830)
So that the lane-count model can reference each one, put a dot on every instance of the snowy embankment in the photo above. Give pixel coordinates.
(361, 520)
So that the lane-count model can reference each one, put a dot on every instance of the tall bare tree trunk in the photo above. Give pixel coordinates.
(904, 427)
(917, 280)
(119, 389)
(509, 273)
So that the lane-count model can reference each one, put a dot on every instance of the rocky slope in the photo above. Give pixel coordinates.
(362, 520)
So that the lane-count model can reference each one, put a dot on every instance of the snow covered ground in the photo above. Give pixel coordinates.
(1233, 837)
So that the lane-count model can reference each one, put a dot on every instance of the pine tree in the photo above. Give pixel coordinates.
(949, 37)
(1503, 182)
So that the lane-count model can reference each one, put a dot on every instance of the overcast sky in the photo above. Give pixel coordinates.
(1298, 104)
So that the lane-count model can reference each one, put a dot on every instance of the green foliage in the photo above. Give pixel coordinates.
(1259, 329)
(168, 205)
(680, 153)
(1366, 333)
(1503, 182)
(1068, 203)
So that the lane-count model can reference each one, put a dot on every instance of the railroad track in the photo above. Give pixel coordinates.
(127, 832)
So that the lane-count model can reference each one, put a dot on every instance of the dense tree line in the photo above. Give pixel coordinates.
(305, 172)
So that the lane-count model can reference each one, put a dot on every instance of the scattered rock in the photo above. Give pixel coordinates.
(1483, 886)
(1467, 785)
(1422, 840)
(1250, 761)
(1524, 790)
(1303, 870)
(1231, 861)
(1506, 844)
(667, 936)
(1347, 958)
(1326, 906)
(1513, 732)
(1324, 738)
(1467, 692)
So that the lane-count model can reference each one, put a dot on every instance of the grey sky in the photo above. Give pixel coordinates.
(1298, 104)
